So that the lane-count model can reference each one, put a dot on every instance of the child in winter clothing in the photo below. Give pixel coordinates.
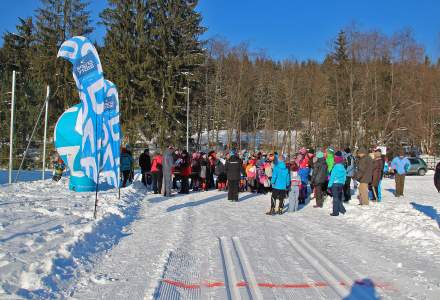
(262, 178)
(330, 159)
(295, 185)
(280, 185)
(251, 173)
(336, 184)
(195, 171)
(303, 172)
(220, 172)
(59, 167)
(156, 173)
(319, 178)
(126, 166)
(204, 166)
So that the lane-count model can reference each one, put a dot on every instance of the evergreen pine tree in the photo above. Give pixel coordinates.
(56, 21)
(178, 54)
(17, 54)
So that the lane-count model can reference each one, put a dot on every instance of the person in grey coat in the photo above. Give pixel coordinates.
(168, 163)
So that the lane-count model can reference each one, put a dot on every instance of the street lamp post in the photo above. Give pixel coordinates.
(187, 118)
(11, 137)
(187, 88)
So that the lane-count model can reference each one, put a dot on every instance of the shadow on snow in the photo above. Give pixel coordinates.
(428, 211)
(363, 289)
(105, 235)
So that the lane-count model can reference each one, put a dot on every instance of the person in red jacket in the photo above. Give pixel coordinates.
(185, 172)
(156, 173)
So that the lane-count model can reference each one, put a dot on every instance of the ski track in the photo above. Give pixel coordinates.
(201, 246)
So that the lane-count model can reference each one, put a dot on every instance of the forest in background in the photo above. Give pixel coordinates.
(371, 89)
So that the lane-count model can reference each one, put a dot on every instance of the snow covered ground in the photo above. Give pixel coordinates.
(200, 246)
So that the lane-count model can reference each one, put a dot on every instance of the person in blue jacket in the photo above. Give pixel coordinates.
(400, 165)
(126, 163)
(336, 184)
(280, 185)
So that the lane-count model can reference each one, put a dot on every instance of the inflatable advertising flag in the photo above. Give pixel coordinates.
(95, 121)
(89, 79)
(111, 143)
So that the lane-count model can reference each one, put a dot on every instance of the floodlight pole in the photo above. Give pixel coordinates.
(187, 118)
(11, 137)
(45, 131)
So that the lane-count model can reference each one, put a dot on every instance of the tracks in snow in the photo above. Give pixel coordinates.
(247, 273)
(336, 278)
(182, 279)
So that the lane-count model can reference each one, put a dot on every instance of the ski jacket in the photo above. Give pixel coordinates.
(319, 175)
(280, 177)
(185, 166)
(251, 170)
(295, 180)
(330, 160)
(195, 167)
(145, 162)
(400, 165)
(156, 165)
(364, 173)
(338, 175)
(219, 168)
(126, 161)
(234, 168)
(268, 169)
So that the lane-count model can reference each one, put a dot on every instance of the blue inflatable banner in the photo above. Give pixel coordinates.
(89, 79)
(68, 139)
(99, 115)
(111, 143)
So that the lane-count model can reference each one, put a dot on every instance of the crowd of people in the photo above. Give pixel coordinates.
(309, 174)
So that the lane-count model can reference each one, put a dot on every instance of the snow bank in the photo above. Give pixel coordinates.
(48, 234)
(413, 219)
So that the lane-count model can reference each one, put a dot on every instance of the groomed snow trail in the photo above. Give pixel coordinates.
(201, 246)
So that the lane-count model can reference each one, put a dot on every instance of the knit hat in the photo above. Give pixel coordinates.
(320, 154)
(339, 159)
(331, 149)
(338, 153)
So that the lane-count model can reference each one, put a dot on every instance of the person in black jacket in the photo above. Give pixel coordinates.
(234, 169)
(319, 178)
(145, 165)
(437, 177)
(219, 171)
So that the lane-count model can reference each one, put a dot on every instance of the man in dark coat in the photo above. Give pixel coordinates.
(168, 163)
(364, 175)
(319, 178)
(234, 169)
(437, 177)
(145, 165)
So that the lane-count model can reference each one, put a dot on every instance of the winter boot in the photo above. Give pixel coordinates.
(271, 212)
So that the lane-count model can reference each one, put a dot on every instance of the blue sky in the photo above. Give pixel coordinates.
(298, 29)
